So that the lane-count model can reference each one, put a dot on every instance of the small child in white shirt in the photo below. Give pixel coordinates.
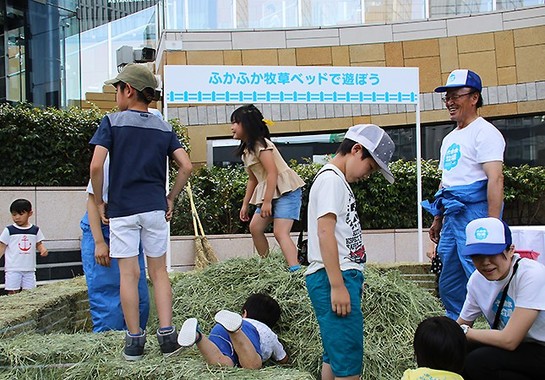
(245, 340)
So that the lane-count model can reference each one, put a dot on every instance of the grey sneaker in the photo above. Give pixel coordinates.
(188, 333)
(231, 321)
(168, 342)
(134, 346)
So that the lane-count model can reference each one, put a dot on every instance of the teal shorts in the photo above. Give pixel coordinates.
(342, 337)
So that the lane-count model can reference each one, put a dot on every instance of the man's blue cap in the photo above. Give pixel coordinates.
(462, 78)
(487, 236)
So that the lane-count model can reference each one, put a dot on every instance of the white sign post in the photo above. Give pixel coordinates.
(298, 84)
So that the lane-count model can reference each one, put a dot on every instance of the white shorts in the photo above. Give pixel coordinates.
(148, 228)
(20, 280)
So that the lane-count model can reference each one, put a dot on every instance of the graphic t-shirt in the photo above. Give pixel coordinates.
(463, 151)
(21, 247)
(330, 193)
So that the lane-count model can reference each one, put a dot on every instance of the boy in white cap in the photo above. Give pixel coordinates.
(509, 292)
(336, 253)
(139, 145)
(471, 186)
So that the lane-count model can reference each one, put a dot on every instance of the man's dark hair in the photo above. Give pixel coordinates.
(480, 101)
(263, 308)
(346, 147)
(145, 96)
(20, 206)
(439, 343)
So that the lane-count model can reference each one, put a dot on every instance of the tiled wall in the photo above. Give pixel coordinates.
(58, 212)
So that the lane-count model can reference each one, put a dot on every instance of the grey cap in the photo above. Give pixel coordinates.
(377, 142)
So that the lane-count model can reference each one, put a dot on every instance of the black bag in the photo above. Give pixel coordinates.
(302, 249)
(436, 264)
(302, 243)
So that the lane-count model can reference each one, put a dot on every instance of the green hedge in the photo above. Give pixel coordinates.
(219, 193)
(49, 147)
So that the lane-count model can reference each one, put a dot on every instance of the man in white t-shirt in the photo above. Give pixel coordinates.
(471, 187)
(510, 293)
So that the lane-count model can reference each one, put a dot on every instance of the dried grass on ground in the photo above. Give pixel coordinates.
(392, 309)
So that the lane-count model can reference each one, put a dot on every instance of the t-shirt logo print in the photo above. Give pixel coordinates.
(24, 244)
(452, 156)
(355, 243)
(481, 233)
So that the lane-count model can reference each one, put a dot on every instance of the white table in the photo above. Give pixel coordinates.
(531, 238)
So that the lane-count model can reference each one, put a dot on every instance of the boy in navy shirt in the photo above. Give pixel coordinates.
(138, 210)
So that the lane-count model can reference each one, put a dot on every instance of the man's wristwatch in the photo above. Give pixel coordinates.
(464, 328)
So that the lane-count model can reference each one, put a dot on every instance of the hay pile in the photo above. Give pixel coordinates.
(98, 356)
(392, 309)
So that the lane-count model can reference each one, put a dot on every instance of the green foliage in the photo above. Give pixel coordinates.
(45, 147)
(524, 187)
(384, 206)
(49, 147)
(218, 194)
(380, 205)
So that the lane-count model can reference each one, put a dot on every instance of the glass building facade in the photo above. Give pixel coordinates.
(263, 14)
(34, 68)
(44, 45)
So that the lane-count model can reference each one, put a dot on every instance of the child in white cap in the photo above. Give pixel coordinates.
(336, 253)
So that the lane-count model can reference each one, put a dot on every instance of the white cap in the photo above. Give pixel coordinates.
(377, 142)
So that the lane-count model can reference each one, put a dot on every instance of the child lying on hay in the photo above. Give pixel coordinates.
(246, 341)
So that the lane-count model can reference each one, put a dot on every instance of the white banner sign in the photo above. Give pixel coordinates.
(290, 84)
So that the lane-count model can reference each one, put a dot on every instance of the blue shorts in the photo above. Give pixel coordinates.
(220, 337)
(342, 337)
(288, 206)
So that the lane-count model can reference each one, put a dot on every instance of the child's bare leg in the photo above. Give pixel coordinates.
(129, 272)
(161, 289)
(257, 229)
(247, 355)
(212, 353)
(282, 228)
(327, 373)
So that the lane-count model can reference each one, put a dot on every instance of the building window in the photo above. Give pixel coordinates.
(525, 138)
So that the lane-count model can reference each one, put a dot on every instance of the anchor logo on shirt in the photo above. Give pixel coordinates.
(24, 244)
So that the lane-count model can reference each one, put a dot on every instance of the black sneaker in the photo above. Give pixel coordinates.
(168, 341)
(134, 346)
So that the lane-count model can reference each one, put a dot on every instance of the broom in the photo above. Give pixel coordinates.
(204, 253)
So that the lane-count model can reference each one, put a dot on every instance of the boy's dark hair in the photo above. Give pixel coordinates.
(256, 130)
(144, 96)
(439, 343)
(346, 147)
(263, 308)
(20, 206)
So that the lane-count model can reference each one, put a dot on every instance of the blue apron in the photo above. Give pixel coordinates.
(103, 285)
(459, 205)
